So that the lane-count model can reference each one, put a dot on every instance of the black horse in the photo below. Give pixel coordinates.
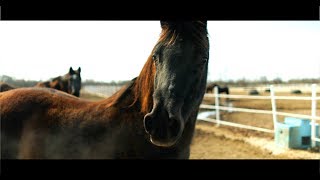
(210, 87)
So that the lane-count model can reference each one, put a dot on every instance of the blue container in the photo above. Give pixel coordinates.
(294, 133)
(283, 134)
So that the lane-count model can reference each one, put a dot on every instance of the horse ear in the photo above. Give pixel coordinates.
(71, 70)
(79, 69)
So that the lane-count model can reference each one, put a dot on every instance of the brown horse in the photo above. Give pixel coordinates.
(152, 117)
(69, 83)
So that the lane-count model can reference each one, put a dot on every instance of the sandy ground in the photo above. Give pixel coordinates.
(212, 142)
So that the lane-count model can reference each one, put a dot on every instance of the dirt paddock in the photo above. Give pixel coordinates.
(212, 142)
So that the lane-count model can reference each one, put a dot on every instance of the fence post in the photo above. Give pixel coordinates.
(216, 93)
(313, 114)
(274, 108)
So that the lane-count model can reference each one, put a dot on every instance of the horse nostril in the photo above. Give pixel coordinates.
(174, 126)
(171, 122)
(147, 123)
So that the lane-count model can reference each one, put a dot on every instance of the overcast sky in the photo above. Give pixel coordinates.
(117, 50)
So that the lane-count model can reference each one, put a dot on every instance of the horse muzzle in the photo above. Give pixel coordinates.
(163, 128)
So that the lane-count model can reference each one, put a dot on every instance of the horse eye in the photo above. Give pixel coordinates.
(154, 57)
(205, 60)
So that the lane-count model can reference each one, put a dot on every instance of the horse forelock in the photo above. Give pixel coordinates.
(196, 30)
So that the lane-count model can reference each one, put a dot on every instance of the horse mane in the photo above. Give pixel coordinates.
(141, 86)
(119, 95)
(144, 86)
(56, 78)
(59, 82)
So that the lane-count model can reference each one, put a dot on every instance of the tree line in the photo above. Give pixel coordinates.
(29, 83)
(264, 81)
(240, 82)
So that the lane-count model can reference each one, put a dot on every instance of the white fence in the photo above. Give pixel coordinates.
(313, 117)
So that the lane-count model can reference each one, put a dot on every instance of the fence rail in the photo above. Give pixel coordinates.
(260, 97)
(313, 117)
(237, 125)
(258, 111)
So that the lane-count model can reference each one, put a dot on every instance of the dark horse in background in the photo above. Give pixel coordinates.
(69, 83)
(5, 87)
(152, 117)
(210, 89)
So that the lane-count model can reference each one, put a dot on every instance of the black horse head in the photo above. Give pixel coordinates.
(74, 84)
(181, 61)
